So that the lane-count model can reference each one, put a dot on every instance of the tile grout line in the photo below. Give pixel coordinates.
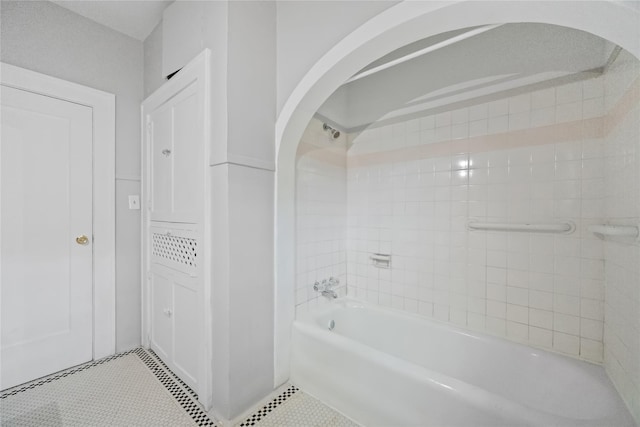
(265, 410)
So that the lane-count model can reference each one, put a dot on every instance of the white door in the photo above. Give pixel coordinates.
(45, 232)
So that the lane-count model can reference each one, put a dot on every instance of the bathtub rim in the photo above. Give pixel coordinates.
(308, 315)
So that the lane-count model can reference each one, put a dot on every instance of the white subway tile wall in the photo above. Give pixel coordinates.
(321, 214)
(622, 206)
(528, 287)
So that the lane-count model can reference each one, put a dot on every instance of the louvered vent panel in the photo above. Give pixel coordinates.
(175, 251)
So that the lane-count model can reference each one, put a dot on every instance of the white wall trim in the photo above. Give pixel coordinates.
(250, 162)
(103, 106)
(404, 23)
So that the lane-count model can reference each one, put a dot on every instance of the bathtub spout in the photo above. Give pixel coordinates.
(325, 287)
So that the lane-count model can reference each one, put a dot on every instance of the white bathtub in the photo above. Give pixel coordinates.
(382, 367)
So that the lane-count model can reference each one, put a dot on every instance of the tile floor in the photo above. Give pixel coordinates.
(136, 388)
(128, 389)
(296, 408)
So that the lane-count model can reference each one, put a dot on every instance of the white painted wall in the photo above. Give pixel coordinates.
(308, 29)
(153, 61)
(49, 39)
(242, 166)
(250, 83)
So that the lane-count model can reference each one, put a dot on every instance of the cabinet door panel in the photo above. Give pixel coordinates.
(162, 315)
(177, 159)
(187, 160)
(187, 331)
(161, 148)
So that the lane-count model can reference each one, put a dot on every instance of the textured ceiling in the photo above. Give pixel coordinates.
(133, 18)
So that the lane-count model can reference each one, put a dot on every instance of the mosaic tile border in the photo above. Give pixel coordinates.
(19, 389)
(183, 394)
(265, 410)
(174, 376)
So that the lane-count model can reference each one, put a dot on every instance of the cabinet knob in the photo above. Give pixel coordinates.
(167, 312)
(166, 152)
(82, 240)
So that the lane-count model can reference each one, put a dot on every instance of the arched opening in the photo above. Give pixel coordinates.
(400, 25)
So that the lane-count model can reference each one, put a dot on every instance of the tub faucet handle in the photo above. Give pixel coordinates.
(325, 286)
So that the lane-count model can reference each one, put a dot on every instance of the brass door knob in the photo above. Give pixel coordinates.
(82, 240)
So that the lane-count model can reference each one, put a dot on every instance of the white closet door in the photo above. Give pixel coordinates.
(45, 229)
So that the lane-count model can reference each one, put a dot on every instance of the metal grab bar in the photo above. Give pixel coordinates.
(565, 227)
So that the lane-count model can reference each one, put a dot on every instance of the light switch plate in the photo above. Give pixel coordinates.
(134, 202)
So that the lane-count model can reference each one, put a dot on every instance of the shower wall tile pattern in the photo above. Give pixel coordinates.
(542, 289)
(321, 214)
(622, 206)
